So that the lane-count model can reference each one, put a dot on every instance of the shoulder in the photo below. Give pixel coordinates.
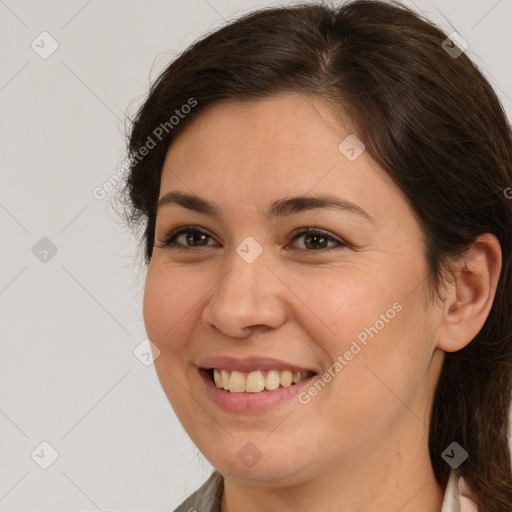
(465, 497)
(206, 498)
(458, 496)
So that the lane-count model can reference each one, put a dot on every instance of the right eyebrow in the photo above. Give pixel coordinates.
(189, 201)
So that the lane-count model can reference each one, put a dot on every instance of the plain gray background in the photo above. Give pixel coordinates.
(72, 320)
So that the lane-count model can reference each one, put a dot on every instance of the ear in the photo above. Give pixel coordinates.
(470, 296)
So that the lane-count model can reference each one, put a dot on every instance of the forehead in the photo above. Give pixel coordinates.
(288, 128)
(281, 146)
(286, 121)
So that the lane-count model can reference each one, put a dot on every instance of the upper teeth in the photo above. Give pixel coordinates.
(254, 382)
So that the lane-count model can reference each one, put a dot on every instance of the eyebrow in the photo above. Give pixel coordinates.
(278, 209)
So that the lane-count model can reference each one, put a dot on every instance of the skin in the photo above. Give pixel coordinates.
(362, 442)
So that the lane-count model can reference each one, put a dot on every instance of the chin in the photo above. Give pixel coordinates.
(250, 465)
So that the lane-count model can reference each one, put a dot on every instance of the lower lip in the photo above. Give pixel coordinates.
(251, 402)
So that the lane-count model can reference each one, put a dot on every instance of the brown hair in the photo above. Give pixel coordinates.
(430, 120)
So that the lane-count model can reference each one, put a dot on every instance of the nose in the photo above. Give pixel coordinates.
(248, 298)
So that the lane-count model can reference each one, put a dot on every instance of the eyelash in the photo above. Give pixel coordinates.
(169, 239)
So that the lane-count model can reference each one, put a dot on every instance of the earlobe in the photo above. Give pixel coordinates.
(469, 297)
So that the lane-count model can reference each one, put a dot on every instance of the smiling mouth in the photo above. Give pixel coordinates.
(257, 381)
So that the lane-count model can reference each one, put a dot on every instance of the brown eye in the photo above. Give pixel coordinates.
(186, 238)
(196, 238)
(315, 240)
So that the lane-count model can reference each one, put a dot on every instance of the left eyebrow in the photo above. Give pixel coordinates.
(292, 205)
(280, 208)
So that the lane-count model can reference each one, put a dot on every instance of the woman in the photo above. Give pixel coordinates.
(328, 240)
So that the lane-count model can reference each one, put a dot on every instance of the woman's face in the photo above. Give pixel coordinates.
(251, 296)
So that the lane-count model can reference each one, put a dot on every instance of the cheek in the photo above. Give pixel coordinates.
(155, 305)
(334, 312)
(387, 372)
(168, 311)
(380, 337)
(168, 298)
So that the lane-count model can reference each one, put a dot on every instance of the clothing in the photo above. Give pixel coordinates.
(208, 497)
(457, 497)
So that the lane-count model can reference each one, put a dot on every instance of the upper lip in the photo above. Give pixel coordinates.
(250, 364)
